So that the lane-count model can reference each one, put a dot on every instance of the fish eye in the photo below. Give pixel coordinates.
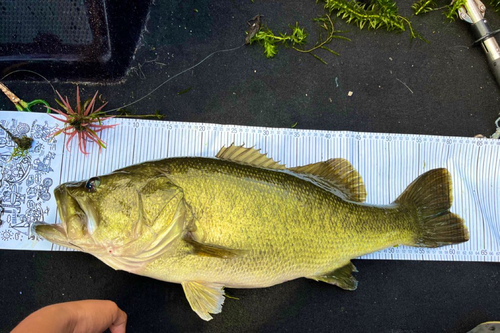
(92, 184)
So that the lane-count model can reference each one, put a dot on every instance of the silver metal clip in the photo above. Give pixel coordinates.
(473, 12)
(477, 11)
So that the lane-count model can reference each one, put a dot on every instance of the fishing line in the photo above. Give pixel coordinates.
(176, 75)
(149, 93)
(32, 72)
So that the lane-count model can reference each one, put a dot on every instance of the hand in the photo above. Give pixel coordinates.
(75, 317)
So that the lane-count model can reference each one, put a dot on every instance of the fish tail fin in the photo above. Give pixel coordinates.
(430, 197)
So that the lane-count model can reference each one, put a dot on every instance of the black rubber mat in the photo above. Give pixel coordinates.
(75, 39)
(381, 82)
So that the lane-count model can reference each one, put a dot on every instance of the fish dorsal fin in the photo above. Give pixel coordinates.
(337, 173)
(250, 156)
(204, 298)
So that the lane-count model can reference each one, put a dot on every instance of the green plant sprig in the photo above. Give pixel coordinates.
(452, 12)
(124, 113)
(427, 6)
(269, 40)
(326, 23)
(23, 144)
(376, 15)
(424, 6)
(495, 4)
(298, 38)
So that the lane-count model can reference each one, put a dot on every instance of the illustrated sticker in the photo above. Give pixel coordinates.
(27, 181)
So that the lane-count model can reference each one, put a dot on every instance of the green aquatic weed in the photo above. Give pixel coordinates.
(379, 14)
(495, 4)
(424, 6)
(452, 12)
(23, 144)
(126, 113)
(298, 38)
(269, 40)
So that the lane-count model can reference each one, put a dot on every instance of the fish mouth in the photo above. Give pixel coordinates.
(69, 208)
(72, 216)
(54, 233)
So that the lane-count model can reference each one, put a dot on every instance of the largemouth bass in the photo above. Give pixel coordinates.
(243, 220)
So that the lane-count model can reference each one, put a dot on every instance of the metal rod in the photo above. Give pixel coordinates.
(483, 34)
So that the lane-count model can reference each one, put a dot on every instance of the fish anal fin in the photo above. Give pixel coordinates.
(209, 250)
(341, 277)
(249, 156)
(338, 174)
(204, 298)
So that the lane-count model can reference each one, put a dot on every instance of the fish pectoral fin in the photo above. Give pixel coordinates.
(204, 298)
(341, 277)
(209, 250)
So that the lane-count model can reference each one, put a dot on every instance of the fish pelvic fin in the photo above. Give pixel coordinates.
(341, 277)
(430, 197)
(204, 298)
